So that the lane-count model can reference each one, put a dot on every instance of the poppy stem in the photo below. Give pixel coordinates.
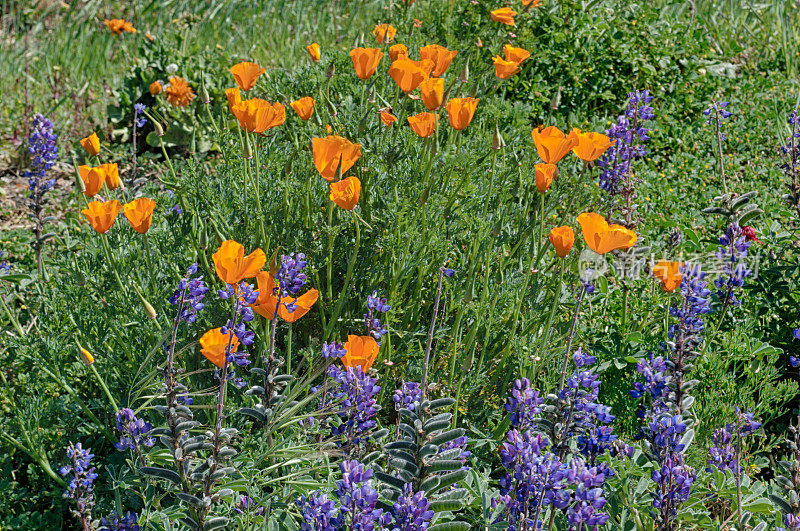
(337, 310)
(570, 338)
(289, 350)
(432, 330)
(556, 298)
(329, 264)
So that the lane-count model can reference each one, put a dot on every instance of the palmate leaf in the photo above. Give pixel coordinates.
(438, 425)
(446, 505)
(215, 523)
(389, 479)
(450, 526)
(443, 466)
(447, 436)
(161, 473)
(194, 501)
(441, 402)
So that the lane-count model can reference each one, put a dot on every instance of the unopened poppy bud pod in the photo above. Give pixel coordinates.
(247, 153)
(204, 97)
(464, 77)
(331, 71)
(497, 139)
(88, 359)
(148, 309)
(159, 130)
(466, 365)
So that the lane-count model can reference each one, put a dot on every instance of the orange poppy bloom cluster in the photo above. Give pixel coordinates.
(599, 236)
(95, 177)
(102, 214)
(256, 115)
(333, 156)
(509, 64)
(314, 52)
(669, 274)
(178, 92)
(361, 352)
(504, 15)
(246, 74)
(384, 33)
(117, 26)
(552, 145)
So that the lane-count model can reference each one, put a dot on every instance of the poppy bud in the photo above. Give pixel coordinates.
(497, 139)
(247, 153)
(329, 73)
(88, 359)
(204, 97)
(466, 365)
(159, 130)
(148, 309)
(464, 76)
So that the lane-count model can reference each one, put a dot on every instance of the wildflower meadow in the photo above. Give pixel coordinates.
(400, 265)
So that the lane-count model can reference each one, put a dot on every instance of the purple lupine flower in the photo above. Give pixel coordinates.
(244, 296)
(333, 350)
(4, 266)
(80, 486)
(408, 396)
(524, 404)
(355, 393)
(358, 499)
(115, 522)
(138, 112)
(717, 115)
(176, 209)
(134, 431)
(189, 295)
(290, 279)
(448, 272)
(791, 522)
(694, 304)
(732, 253)
(318, 512)
(629, 133)
(723, 450)
(376, 305)
(461, 444)
(43, 150)
(411, 511)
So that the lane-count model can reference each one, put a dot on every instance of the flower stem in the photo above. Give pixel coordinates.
(426, 361)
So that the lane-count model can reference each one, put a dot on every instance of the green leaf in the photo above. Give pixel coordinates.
(161, 473)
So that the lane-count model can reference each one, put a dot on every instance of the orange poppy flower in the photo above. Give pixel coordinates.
(214, 343)
(531, 3)
(345, 192)
(669, 274)
(313, 51)
(117, 26)
(304, 107)
(515, 55)
(155, 88)
(504, 69)
(562, 238)
(256, 115)
(178, 92)
(93, 179)
(268, 300)
(387, 118)
(246, 74)
(91, 144)
(417, 23)
(101, 215)
(332, 150)
(139, 214)
(384, 33)
(544, 176)
(504, 15)
(361, 352)
(232, 266)
(396, 51)
(234, 96)
(591, 146)
(407, 74)
(552, 145)
(424, 123)
(602, 237)
(365, 61)
(460, 112)
(441, 57)
(111, 172)
(432, 92)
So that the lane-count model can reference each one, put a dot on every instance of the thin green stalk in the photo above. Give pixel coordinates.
(556, 298)
(289, 350)
(12, 317)
(348, 279)
(102, 383)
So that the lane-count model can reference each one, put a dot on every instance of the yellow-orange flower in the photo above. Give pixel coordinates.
(214, 343)
(345, 193)
(101, 215)
(155, 88)
(234, 96)
(332, 150)
(460, 112)
(232, 266)
(591, 146)
(562, 238)
(602, 237)
(407, 74)
(417, 23)
(111, 172)
(256, 115)
(304, 107)
(361, 352)
(178, 92)
(88, 359)
(515, 55)
(314, 52)
(504, 15)
(669, 274)
(93, 179)
(531, 3)
(384, 33)
(387, 118)
(424, 123)
(268, 300)
(246, 74)
(139, 214)
(552, 145)
(544, 176)
(432, 92)
(365, 61)
(117, 26)
(396, 51)
(504, 69)
(91, 144)
(441, 57)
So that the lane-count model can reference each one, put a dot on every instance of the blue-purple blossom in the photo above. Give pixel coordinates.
(134, 431)
(355, 393)
(408, 396)
(629, 133)
(189, 295)
(333, 350)
(687, 333)
(524, 405)
(411, 511)
(290, 278)
(43, 150)
(717, 115)
(375, 305)
(358, 499)
(115, 522)
(318, 512)
(80, 483)
(4, 266)
(732, 253)
(138, 111)
(724, 448)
